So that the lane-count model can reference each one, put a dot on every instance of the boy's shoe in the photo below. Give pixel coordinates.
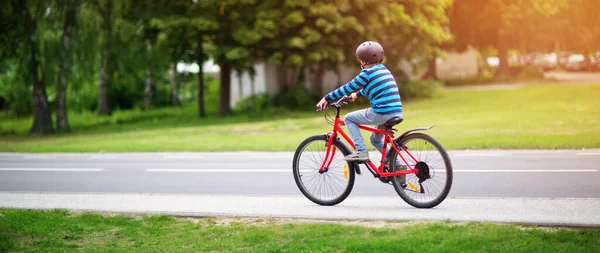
(357, 156)
(402, 177)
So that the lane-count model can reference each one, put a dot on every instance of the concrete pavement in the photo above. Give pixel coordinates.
(532, 211)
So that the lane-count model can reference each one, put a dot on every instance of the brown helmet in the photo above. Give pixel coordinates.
(370, 52)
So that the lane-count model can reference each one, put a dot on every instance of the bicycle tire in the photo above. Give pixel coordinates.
(323, 177)
(409, 194)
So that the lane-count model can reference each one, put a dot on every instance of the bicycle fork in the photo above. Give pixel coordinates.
(328, 158)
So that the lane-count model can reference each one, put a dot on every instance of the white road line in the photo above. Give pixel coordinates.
(53, 169)
(476, 155)
(109, 156)
(182, 157)
(39, 157)
(216, 170)
(586, 154)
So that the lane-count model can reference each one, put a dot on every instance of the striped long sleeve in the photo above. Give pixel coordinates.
(378, 84)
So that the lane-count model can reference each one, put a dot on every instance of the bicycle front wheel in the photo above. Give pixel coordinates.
(431, 185)
(331, 186)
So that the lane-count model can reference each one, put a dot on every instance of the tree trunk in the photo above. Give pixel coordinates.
(503, 69)
(319, 78)
(557, 52)
(148, 90)
(295, 75)
(174, 88)
(104, 107)
(587, 61)
(200, 61)
(103, 90)
(240, 85)
(42, 121)
(252, 83)
(252, 87)
(62, 121)
(224, 90)
(431, 70)
(282, 78)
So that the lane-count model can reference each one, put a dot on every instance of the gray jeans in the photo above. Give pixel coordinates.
(365, 117)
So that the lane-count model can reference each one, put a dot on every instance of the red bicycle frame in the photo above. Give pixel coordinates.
(377, 171)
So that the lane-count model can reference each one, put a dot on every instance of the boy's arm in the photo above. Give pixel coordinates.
(361, 93)
(359, 82)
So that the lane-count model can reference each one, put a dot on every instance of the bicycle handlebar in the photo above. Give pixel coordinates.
(338, 104)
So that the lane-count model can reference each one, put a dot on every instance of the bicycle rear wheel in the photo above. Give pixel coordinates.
(330, 187)
(431, 185)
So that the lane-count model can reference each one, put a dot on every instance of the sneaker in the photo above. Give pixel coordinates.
(357, 156)
(402, 177)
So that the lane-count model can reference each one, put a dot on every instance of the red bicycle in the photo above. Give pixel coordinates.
(325, 178)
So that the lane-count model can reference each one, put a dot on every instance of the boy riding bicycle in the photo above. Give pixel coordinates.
(377, 83)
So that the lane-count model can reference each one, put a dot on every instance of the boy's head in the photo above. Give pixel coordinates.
(369, 53)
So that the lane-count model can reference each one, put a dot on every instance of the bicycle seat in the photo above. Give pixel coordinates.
(392, 122)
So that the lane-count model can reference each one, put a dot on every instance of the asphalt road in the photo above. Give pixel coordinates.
(495, 173)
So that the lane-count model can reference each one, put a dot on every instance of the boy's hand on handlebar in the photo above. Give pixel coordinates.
(321, 105)
(353, 96)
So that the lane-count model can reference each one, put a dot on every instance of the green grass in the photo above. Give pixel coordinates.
(547, 116)
(62, 231)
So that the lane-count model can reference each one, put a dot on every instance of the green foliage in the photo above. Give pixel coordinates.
(296, 98)
(17, 95)
(82, 98)
(418, 89)
(254, 103)
(531, 72)
(475, 80)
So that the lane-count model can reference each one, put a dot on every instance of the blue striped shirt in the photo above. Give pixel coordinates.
(378, 84)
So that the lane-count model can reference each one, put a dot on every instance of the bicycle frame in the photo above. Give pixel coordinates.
(377, 171)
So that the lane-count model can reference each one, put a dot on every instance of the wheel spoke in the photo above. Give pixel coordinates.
(326, 187)
(426, 150)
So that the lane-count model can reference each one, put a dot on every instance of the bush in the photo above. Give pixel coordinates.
(453, 82)
(162, 95)
(418, 89)
(188, 92)
(531, 72)
(84, 98)
(296, 98)
(17, 93)
(20, 102)
(254, 103)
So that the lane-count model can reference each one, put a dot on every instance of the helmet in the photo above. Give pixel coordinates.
(370, 52)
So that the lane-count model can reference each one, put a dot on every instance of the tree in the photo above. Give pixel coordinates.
(413, 31)
(322, 34)
(107, 57)
(233, 43)
(504, 24)
(29, 14)
(65, 69)
(583, 32)
(187, 23)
